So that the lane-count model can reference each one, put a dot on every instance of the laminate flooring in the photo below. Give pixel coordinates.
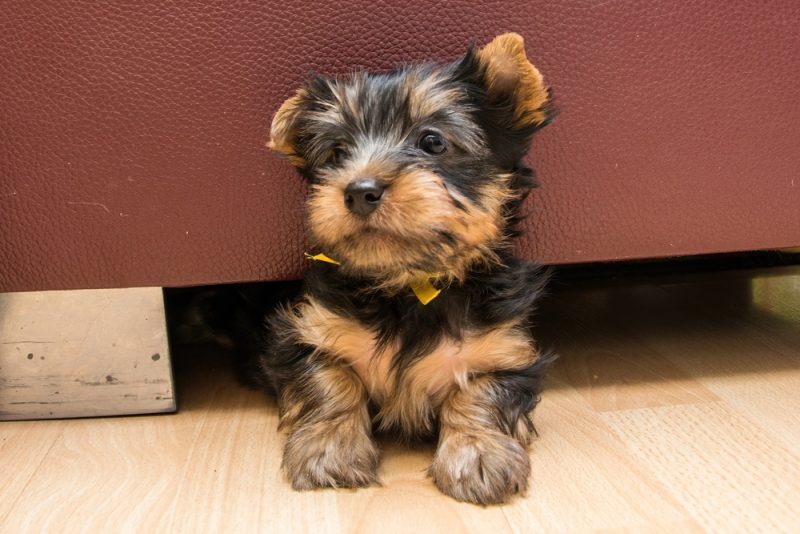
(674, 407)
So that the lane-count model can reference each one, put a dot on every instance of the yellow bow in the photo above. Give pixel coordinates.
(423, 289)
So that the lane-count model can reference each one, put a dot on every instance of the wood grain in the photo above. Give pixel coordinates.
(675, 407)
(84, 353)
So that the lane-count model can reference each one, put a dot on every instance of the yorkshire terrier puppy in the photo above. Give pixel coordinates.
(415, 316)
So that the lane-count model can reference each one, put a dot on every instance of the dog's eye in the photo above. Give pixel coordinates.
(336, 155)
(432, 143)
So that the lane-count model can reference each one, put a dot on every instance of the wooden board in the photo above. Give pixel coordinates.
(84, 353)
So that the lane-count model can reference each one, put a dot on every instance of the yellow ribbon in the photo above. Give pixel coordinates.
(424, 289)
(321, 257)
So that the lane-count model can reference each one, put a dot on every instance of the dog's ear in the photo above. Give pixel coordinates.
(284, 131)
(513, 83)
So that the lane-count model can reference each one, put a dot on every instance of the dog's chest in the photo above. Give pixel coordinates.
(355, 346)
(403, 393)
(431, 375)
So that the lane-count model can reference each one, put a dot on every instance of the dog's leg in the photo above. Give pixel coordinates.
(324, 410)
(485, 429)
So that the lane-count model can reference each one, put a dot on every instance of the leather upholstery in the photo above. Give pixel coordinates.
(132, 136)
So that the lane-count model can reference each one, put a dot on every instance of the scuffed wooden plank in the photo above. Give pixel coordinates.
(84, 353)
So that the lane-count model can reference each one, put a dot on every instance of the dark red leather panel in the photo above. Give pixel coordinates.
(132, 137)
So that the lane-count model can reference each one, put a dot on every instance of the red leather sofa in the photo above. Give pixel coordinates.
(132, 135)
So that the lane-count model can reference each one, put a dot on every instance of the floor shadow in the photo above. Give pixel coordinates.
(621, 330)
(696, 325)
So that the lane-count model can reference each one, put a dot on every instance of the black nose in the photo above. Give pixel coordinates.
(362, 196)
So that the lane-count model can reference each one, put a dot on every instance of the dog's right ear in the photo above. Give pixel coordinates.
(513, 88)
(284, 131)
(512, 80)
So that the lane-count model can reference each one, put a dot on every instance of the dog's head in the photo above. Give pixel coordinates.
(416, 171)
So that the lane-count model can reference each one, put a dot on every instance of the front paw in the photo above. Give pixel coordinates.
(481, 468)
(334, 460)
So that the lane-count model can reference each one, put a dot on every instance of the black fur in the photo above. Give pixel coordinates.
(489, 297)
(334, 131)
(519, 392)
(487, 142)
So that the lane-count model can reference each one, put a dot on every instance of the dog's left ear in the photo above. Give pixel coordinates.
(510, 80)
(284, 131)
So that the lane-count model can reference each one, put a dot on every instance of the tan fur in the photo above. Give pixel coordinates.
(330, 443)
(282, 132)
(426, 384)
(509, 71)
(475, 461)
(422, 229)
(410, 402)
(398, 234)
(425, 96)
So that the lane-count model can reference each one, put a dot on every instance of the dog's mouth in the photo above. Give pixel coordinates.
(380, 253)
(376, 234)
(372, 240)
(375, 231)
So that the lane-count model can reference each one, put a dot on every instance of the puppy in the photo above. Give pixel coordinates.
(414, 316)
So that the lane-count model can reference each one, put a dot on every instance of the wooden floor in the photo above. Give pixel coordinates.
(675, 407)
